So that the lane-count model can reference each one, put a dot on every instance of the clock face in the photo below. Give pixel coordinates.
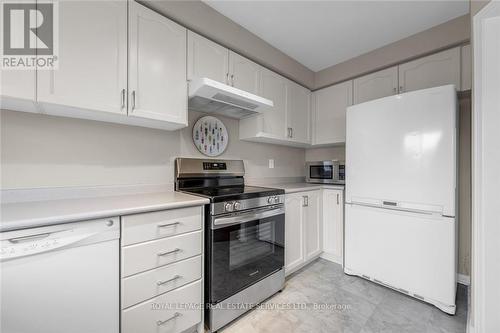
(210, 136)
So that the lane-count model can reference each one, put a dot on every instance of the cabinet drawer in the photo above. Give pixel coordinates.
(149, 284)
(181, 307)
(144, 227)
(141, 257)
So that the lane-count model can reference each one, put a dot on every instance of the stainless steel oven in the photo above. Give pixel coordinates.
(244, 248)
(244, 237)
(325, 172)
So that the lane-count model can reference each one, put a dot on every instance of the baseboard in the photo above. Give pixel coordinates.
(463, 279)
(302, 265)
(331, 257)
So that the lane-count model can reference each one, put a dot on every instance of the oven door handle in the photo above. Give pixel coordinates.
(219, 222)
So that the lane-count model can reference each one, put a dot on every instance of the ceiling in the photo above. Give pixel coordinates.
(319, 34)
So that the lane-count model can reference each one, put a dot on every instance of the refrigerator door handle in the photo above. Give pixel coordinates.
(395, 208)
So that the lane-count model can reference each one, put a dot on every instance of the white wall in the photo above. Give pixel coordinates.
(485, 308)
(45, 151)
(326, 153)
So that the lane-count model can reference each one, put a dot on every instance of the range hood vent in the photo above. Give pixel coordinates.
(206, 95)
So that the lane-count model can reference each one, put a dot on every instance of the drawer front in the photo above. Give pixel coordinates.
(144, 227)
(172, 312)
(142, 257)
(142, 286)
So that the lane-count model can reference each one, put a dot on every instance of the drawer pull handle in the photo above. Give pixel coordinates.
(161, 254)
(168, 225)
(163, 322)
(161, 283)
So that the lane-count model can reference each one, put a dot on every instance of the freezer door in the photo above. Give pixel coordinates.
(412, 251)
(402, 150)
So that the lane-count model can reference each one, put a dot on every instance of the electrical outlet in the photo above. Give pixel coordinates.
(271, 163)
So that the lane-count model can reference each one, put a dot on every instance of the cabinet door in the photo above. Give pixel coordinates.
(243, 73)
(333, 225)
(294, 240)
(207, 59)
(274, 87)
(376, 85)
(157, 67)
(299, 113)
(92, 73)
(466, 68)
(432, 71)
(329, 110)
(17, 90)
(312, 225)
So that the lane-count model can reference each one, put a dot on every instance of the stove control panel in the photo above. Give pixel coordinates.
(229, 207)
(245, 204)
(272, 200)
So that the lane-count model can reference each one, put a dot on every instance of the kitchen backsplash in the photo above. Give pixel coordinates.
(325, 154)
(46, 151)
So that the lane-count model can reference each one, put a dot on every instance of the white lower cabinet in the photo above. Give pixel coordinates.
(294, 232)
(333, 225)
(172, 312)
(302, 229)
(162, 271)
(312, 224)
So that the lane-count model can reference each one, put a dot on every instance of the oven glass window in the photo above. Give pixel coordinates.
(242, 254)
(250, 244)
(321, 171)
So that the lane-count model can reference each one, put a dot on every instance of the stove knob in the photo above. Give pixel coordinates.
(276, 200)
(228, 207)
(270, 200)
(237, 205)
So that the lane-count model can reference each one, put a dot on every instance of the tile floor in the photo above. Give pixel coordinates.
(368, 307)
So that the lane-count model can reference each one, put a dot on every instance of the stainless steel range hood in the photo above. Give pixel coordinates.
(206, 95)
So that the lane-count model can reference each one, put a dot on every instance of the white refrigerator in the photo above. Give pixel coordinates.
(401, 183)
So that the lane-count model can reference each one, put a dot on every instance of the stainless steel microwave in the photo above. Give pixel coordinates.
(325, 172)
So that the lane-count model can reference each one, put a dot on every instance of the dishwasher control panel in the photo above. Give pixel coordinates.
(16, 244)
(23, 246)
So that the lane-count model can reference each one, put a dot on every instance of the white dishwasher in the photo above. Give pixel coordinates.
(62, 278)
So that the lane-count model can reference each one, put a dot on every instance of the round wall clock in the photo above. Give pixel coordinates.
(210, 136)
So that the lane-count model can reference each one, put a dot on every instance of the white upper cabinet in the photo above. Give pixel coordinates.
(288, 122)
(18, 87)
(466, 67)
(432, 71)
(329, 113)
(299, 113)
(207, 59)
(17, 90)
(275, 88)
(92, 73)
(244, 74)
(157, 67)
(376, 85)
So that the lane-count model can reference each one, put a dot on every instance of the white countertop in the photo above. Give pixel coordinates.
(40, 213)
(301, 187)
